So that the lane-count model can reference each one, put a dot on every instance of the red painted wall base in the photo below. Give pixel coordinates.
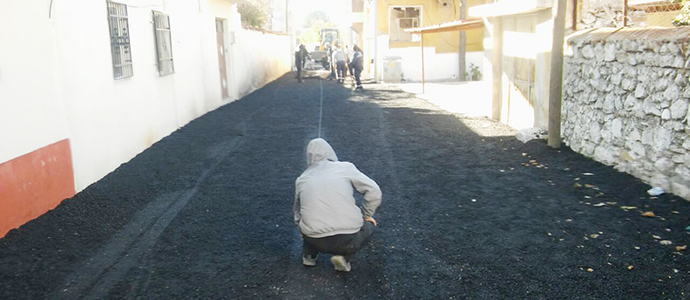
(34, 183)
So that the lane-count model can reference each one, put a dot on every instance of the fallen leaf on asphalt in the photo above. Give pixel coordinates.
(675, 212)
(594, 235)
(628, 207)
(665, 242)
(587, 185)
(656, 237)
(587, 174)
(681, 248)
(590, 270)
(611, 203)
(648, 214)
(637, 248)
(577, 185)
(600, 204)
(630, 267)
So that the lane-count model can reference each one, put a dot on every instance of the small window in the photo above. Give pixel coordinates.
(401, 18)
(119, 40)
(161, 23)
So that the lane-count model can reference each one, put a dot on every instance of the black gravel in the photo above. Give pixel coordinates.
(469, 212)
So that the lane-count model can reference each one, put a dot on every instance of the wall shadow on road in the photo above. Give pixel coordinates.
(468, 210)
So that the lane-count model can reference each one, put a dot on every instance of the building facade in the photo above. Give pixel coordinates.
(381, 28)
(87, 85)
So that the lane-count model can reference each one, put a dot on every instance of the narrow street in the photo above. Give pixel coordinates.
(468, 212)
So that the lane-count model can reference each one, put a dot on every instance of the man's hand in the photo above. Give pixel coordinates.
(372, 220)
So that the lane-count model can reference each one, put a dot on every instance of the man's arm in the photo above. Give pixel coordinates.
(369, 189)
(296, 208)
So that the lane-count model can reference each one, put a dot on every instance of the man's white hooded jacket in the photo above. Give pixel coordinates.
(324, 202)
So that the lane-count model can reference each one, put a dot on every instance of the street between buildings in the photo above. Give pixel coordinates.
(468, 212)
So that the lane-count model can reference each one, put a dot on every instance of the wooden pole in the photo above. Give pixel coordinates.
(497, 69)
(625, 13)
(574, 15)
(422, 47)
(556, 83)
(462, 51)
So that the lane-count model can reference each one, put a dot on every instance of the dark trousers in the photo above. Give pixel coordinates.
(340, 65)
(299, 70)
(342, 244)
(358, 73)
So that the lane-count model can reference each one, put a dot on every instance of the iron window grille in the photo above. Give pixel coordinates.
(402, 18)
(119, 40)
(161, 25)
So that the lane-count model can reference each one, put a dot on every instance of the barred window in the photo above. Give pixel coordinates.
(119, 40)
(161, 25)
(401, 18)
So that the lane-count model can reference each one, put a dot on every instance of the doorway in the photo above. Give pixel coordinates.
(220, 37)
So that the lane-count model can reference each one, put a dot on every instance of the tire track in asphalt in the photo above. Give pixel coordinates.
(401, 226)
(312, 282)
(130, 246)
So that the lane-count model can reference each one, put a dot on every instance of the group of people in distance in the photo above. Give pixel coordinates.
(340, 62)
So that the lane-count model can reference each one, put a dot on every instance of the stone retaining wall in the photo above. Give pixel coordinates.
(625, 102)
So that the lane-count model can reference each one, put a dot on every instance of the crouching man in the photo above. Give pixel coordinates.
(325, 210)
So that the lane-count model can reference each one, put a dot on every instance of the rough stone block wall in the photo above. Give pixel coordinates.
(625, 102)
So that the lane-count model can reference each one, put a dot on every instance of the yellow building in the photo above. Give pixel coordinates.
(381, 28)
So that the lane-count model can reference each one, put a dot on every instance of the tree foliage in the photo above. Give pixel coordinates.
(255, 14)
(313, 23)
(683, 19)
(316, 17)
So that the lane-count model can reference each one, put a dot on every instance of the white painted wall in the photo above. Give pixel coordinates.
(258, 58)
(518, 43)
(31, 102)
(56, 77)
(437, 66)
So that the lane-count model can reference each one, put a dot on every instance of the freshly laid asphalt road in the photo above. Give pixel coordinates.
(468, 212)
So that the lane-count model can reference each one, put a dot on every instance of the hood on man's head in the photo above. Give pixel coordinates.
(318, 150)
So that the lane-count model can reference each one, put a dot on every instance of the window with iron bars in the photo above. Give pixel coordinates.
(119, 40)
(401, 18)
(161, 25)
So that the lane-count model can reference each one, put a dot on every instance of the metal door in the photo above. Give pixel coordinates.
(519, 67)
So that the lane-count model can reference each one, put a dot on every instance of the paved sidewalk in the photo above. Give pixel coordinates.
(472, 98)
(468, 212)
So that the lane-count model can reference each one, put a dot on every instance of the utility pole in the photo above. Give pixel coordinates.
(556, 84)
(463, 41)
